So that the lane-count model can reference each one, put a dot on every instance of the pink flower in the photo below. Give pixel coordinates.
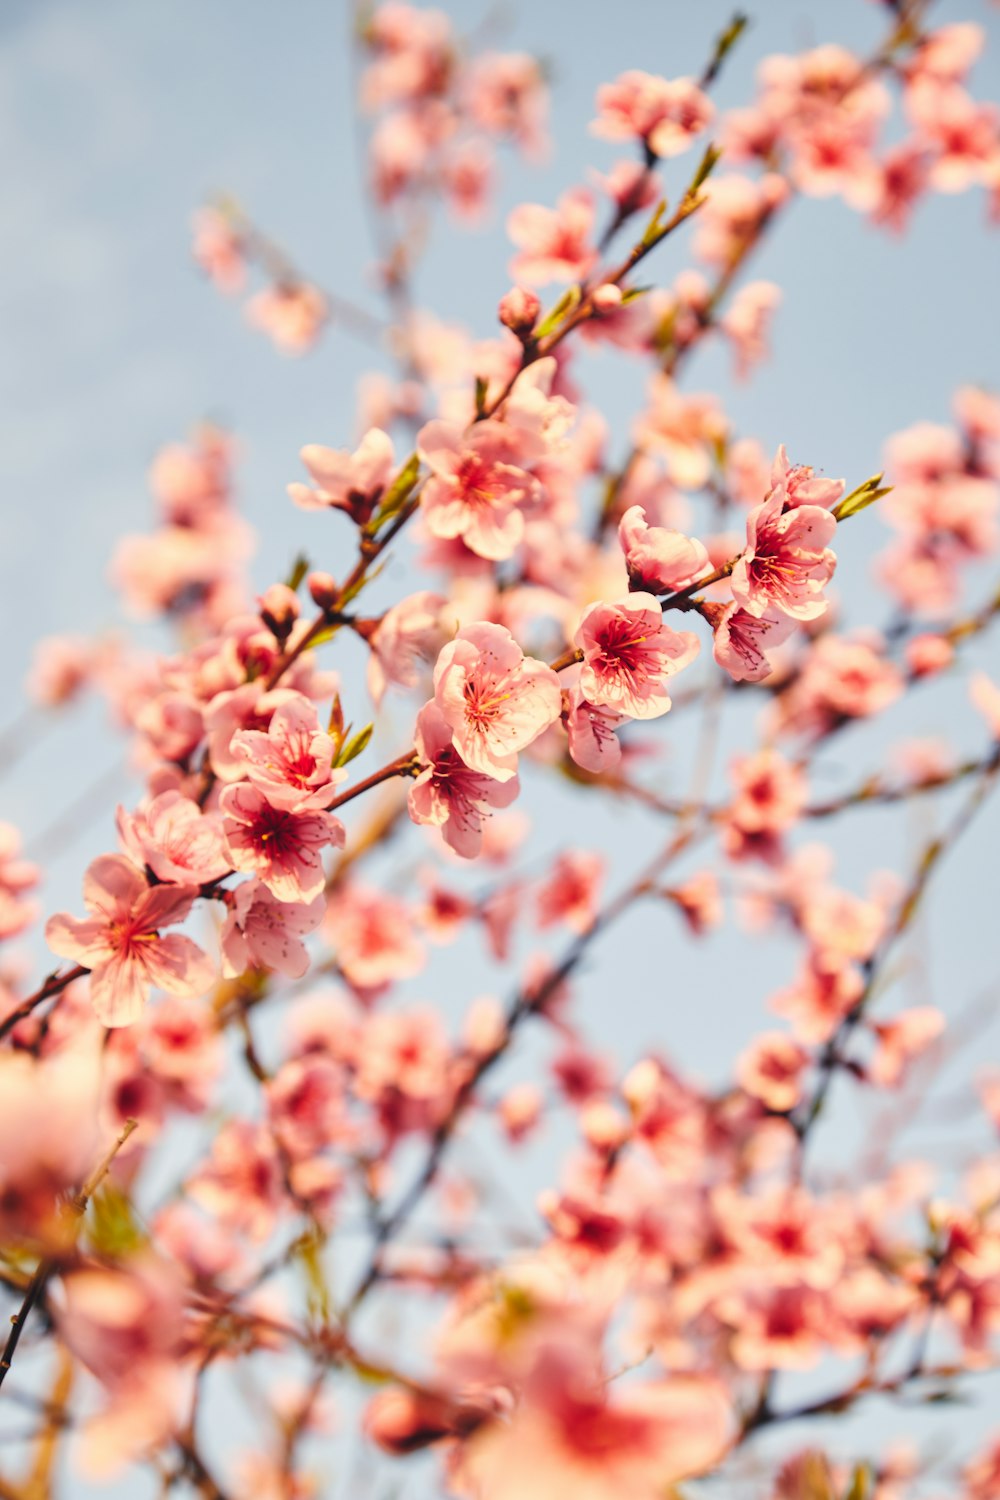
(628, 652)
(178, 842)
(658, 560)
(570, 894)
(591, 727)
(771, 1070)
(291, 763)
(218, 250)
(477, 480)
(771, 792)
(264, 933)
(747, 322)
(742, 642)
(282, 848)
(985, 696)
(17, 876)
(447, 794)
(495, 699)
(901, 1040)
(292, 315)
(352, 482)
(553, 241)
(787, 563)
(120, 942)
(373, 937)
(664, 114)
(407, 638)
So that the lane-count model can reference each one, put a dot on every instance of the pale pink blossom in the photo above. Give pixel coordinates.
(554, 243)
(628, 653)
(664, 114)
(478, 479)
(179, 843)
(747, 323)
(742, 642)
(447, 794)
(291, 762)
(771, 1070)
(985, 696)
(902, 1040)
(17, 877)
(572, 891)
(264, 933)
(282, 848)
(120, 942)
(407, 638)
(658, 560)
(373, 936)
(590, 727)
(495, 699)
(293, 316)
(787, 562)
(352, 482)
(218, 250)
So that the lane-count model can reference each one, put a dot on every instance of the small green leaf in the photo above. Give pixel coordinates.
(353, 747)
(300, 567)
(114, 1230)
(652, 229)
(567, 302)
(866, 494)
(706, 166)
(860, 1485)
(310, 1249)
(397, 494)
(633, 292)
(335, 727)
(482, 386)
(723, 45)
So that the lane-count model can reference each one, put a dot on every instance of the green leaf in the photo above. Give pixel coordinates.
(114, 1231)
(866, 494)
(652, 229)
(633, 292)
(482, 386)
(567, 302)
(397, 494)
(860, 1485)
(335, 727)
(723, 45)
(300, 567)
(706, 166)
(310, 1249)
(354, 746)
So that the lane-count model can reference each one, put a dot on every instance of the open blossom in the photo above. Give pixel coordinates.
(17, 877)
(628, 652)
(406, 640)
(771, 1070)
(742, 641)
(121, 944)
(291, 763)
(664, 114)
(593, 744)
(292, 315)
(373, 936)
(787, 563)
(554, 242)
(658, 560)
(352, 482)
(495, 699)
(178, 842)
(282, 848)
(265, 933)
(477, 480)
(447, 794)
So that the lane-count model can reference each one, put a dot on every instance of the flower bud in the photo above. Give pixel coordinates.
(279, 609)
(323, 589)
(519, 311)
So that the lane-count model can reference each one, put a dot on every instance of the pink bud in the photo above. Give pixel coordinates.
(606, 298)
(519, 311)
(323, 588)
(279, 609)
(927, 654)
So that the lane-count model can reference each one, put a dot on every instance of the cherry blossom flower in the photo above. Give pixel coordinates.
(495, 699)
(664, 114)
(407, 638)
(373, 937)
(293, 315)
(291, 763)
(742, 641)
(175, 839)
(265, 933)
(771, 1070)
(658, 561)
(628, 652)
(553, 241)
(593, 744)
(282, 848)
(352, 482)
(787, 563)
(121, 944)
(447, 794)
(478, 478)
(17, 877)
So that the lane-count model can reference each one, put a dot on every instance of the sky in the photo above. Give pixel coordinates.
(119, 119)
